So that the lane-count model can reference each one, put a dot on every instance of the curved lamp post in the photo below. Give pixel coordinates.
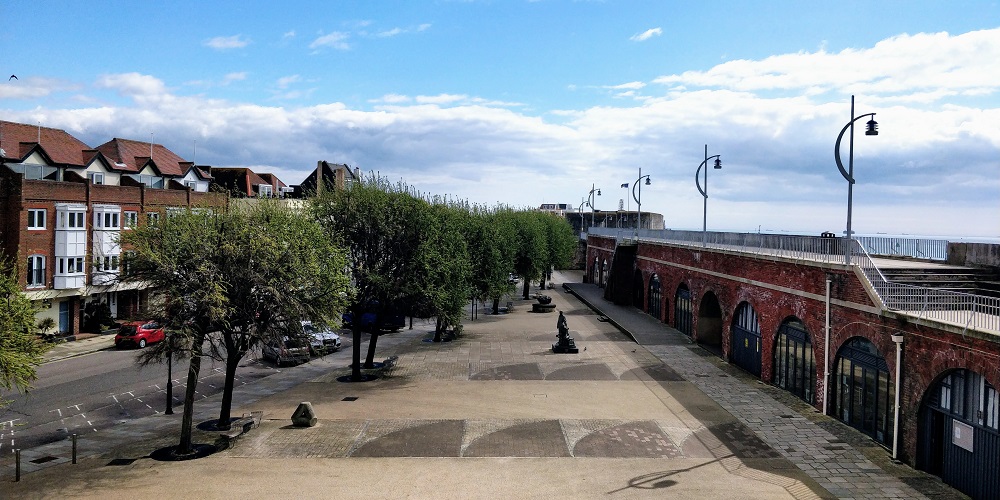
(590, 202)
(704, 193)
(638, 201)
(871, 129)
(170, 375)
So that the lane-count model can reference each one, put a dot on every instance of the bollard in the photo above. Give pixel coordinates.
(74, 448)
(17, 465)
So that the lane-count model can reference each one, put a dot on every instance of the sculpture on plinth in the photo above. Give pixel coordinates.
(565, 343)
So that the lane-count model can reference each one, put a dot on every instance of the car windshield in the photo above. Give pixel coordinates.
(308, 329)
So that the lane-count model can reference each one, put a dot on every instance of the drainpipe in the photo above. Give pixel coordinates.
(826, 350)
(898, 339)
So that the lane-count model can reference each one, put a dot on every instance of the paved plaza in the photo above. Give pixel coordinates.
(639, 412)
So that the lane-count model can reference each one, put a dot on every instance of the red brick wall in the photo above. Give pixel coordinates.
(779, 289)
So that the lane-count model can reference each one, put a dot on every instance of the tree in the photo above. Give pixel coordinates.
(531, 250)
(491, 254)
(20, 349)
(378, 224)
(440, 279)
(561, 241)
(235, 279)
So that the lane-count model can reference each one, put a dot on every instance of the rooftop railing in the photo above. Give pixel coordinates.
(967, 310)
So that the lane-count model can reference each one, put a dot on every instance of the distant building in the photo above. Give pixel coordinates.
(334, 176)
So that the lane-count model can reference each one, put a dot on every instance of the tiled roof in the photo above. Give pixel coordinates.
(134, 155)
(243, 179)
(273, 180)
(17, 140)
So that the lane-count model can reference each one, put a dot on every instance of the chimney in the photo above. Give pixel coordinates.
(319, 178)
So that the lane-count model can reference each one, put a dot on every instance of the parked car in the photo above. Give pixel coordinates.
(321, 340)
(287, 350)
(139, 333)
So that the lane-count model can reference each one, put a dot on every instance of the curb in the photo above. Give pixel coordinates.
(607, 319)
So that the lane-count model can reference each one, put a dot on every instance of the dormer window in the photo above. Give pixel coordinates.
(96, 178)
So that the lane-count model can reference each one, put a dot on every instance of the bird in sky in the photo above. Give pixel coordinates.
(12, 77)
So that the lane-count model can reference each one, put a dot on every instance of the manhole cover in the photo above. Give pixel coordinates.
(350, 398)
(42, 460)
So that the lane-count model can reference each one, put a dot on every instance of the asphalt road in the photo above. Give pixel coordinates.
(98, 390)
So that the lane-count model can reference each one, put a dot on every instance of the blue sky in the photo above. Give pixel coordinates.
(525, 102)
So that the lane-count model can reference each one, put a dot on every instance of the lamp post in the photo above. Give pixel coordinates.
(629, 200)
(704, 193)
(871, 129)
(590, 203)
(638, 201)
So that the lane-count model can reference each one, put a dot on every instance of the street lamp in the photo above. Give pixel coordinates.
(590, 202)
(638, 201)
(704, 193)
(871, 129)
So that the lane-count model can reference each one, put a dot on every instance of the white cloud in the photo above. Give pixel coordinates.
(234, 77)
(646, 35)
(934, 167)
(227, 42)
(285, 81)
(390, 33)
(32, 87)
(288, 35)
(336, 40)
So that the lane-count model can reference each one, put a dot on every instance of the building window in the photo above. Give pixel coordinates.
(36, 218)
(36, 270)
(152, 217)
(72, 220)
(126, 261)
(130, 219)
(264, 191)
(191, 184)
(96, 178)
(111, 220)
(70, 265)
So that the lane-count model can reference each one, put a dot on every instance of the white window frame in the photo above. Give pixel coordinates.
(36, 271)
(152, 216)
(265, 191)
(191, 184)
(37, 218)
(130, 219)
(97, 178)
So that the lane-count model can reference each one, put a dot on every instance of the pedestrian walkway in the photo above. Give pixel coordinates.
(493, 413)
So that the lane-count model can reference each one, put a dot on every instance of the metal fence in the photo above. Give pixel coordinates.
(970, 311)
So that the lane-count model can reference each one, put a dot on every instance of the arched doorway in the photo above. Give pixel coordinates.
(794, 361)
(959, 437)
(863, 395)
(655, 298)
(710, 323)
(638, 290)
(745, 339)
(683, 318)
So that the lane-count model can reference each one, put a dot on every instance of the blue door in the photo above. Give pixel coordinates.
(64, 316)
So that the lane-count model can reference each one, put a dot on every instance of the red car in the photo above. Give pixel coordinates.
(139, 333)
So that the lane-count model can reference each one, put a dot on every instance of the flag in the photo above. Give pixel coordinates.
(625, 185)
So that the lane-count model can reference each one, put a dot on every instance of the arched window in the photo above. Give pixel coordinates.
(745, 342)
(864, 393)
(604, 273)
(655, 298)
(959, 434)
(683, 310)
(36, 271)
(794, 361)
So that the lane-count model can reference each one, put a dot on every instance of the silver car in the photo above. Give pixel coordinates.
(287, 351)
(321, 340)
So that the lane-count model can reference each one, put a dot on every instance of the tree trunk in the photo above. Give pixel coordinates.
(356, 350)
(194, 368)
(370, 360)
(496, 306)
(437, 330)
(225, 412)
(526, 281)
(543, 280)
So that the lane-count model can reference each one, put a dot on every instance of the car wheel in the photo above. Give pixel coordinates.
(142, 343)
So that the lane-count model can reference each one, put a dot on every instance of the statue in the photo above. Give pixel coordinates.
(565, 343)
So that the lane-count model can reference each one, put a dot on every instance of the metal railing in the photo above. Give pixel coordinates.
(970, 311)
(891, 246)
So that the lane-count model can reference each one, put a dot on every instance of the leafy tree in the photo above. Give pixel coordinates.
(378, 224)
(491, 254)
(561, 241)
(256, 273)
(441, 272)
(20, 349)
(530, 247)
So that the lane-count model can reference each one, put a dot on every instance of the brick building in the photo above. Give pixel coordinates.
(841, 337)
(63, 205)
